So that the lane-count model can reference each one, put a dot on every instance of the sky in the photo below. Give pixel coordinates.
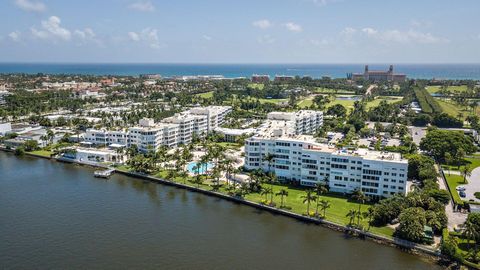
(240, 31)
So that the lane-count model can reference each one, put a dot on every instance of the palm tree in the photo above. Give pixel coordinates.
(270, 159)
(324, 205)
(282, 193)
(369, 214)
(265, 191)
(352, 214)
(466, 172)
(308, 198)
(470, 232)
(360, 197)
(321, 188)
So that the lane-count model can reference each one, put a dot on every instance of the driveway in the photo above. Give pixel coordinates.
(417, 133)
(455, 219)
(473, 185)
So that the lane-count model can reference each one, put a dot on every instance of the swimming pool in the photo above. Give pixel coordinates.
(201, 170)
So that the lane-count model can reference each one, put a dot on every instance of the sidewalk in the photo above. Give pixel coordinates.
(455, 219)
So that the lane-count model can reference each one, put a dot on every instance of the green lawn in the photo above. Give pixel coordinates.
(272, 100)
(43, 153)
(473, 162)
(336, 213)
(450, 108)
(435, 89)
(389, 99)
(306, 103)
(454, 181)
(347, 103)
(205, 95)
(258, 86)
(322, 90)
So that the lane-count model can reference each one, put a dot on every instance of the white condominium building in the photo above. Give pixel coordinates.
(299, 158)
(171, 132)
(302, 122)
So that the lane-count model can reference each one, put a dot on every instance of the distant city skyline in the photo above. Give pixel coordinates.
(215, 31)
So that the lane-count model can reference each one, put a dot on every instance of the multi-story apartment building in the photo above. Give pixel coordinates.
(172, 131)
(302, 122)
(300, 159)
(260, 78)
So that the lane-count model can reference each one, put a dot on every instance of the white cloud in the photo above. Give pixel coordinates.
(262, 24)
(206, 37)
(148, 36)
(369, 31)
(29, 5)
(86, 34)
(133, 36)
(145, 6)
(266, 39)
(51, 29)
(293, 27)
(15, 36)
(322, 3)
(348, 31)
(391, 36)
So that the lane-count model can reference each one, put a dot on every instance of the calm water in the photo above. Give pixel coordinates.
(423, 71)
(58, 216)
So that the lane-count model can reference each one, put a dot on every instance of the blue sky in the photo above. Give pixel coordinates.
(247, 31)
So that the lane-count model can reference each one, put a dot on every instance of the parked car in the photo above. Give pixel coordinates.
(460, 188)
(462, 194)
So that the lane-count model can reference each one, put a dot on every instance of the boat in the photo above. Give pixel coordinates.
(104, 174)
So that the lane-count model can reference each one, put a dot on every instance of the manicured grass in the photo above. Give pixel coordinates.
(43, 153)
(306, 103)
(450, 108)
(389, 99)
(346, 103)
(272, 100)
(336, 213)
(205, 95)
(435, 89)
(321, 90)
(258, 86)
(454, 181)
(473, 162)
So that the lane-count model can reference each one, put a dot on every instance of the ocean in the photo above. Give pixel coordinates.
(417, 71)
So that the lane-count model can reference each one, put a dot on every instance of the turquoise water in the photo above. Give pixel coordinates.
(191, 165)
(420, 71)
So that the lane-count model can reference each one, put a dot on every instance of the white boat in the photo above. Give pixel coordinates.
(104, 174)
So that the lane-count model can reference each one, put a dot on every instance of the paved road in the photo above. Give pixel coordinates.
(417, 133)
(473, 185)
(455, 219)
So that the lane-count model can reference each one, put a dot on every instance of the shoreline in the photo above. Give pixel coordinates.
(412, 248)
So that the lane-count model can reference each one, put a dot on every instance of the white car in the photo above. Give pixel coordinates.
(461, 188)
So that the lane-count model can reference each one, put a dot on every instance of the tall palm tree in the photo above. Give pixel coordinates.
(324, 205)
(361, 198)
(352, 214)
(265, 191)
(308, 198)
(466, 172)
(282, 193)
(321, 188)
(369, 214)
(270, 159)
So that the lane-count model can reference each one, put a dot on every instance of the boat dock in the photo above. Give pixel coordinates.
(104, 174)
